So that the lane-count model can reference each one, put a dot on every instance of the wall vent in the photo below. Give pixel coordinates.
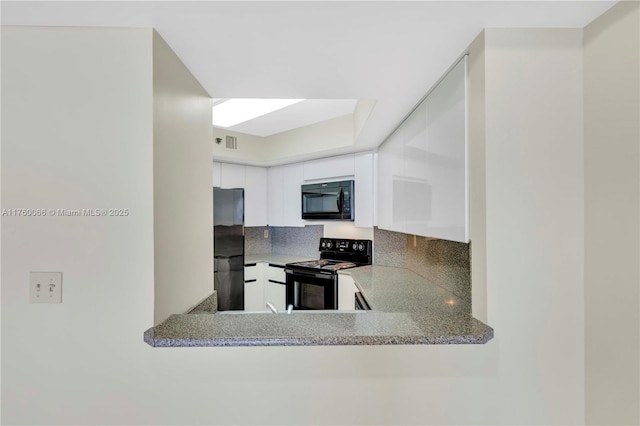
(232, 142)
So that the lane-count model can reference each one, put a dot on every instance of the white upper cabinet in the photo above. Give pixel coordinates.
(447, 165)
(293, 180)
(329, 168)
(285, 203)
(217, 170)
(255, 196)
(390, 197)
(275, 193)
(363, 170)
(231, 176)
(422, 167)
(273, 196)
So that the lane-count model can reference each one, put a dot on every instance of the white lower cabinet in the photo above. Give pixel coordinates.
(346, 293)
(253, 296)
(254, 287)
(276, 294)
(276, 287)
(264, 283)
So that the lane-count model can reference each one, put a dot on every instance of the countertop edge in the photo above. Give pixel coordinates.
(318, 341)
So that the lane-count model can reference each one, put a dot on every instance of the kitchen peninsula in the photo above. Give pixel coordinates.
(406, 309)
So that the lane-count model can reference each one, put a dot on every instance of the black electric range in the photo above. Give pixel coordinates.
(314, 284)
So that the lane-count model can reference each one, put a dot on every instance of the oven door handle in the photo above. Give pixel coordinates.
(309, 274)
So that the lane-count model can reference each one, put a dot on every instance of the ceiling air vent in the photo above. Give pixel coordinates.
(232, 142)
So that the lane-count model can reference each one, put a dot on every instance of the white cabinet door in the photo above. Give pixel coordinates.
(255, 196)
(390, 169)
(275, 287)
(275, 194)
(231, 176)
(254, 289)
(253, 296)
(217, 168)
(264, 283)
(276, 294)
(422, 167)
(346, 293)
(363, 168)
(329, 168)
(447, 167)
(292, 181)
(414, 189)
(276, 273)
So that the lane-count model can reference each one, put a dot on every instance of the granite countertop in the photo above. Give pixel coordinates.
(276, 259)
(388, 289)
(406, 309)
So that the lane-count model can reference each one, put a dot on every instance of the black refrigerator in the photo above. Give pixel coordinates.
(228, 248)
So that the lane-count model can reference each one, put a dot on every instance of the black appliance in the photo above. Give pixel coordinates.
(314, 284)
(331, 200)
(228, 248)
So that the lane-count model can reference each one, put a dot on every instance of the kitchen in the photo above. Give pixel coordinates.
(534, 369)
(432, 149)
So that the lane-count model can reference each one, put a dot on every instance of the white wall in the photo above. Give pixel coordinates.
(612, 220)
(77, 132)
(251, 150)
(294, 144)
(477, 177)
(183, 236)
(534, 221)
(330, 137)
(96, 369)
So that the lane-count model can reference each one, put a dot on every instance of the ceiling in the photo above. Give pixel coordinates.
(391, 52)
(301, 114)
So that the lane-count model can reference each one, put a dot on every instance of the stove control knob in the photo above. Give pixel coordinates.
(354, 246)
(360, 246)
(324, 245)
(329, 244)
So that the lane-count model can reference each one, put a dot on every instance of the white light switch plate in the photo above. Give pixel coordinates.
(45, 287)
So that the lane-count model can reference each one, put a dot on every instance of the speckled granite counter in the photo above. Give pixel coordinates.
(390, 289)
(406, 309)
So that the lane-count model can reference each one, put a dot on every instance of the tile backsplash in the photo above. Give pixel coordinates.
(302, 241)
(389, 248)
(254, 240)
(445, 263)
(295, 241)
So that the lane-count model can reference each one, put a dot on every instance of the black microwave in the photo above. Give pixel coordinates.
(330, 200)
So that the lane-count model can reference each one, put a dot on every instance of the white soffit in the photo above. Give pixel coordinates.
(301, 114)
(391, 51)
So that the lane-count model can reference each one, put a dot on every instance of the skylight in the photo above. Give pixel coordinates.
(235, 111)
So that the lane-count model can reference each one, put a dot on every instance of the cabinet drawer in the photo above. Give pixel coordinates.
(276, 273)
(251, 272)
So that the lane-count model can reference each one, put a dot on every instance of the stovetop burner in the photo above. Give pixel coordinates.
(338, 254)
(325, 264)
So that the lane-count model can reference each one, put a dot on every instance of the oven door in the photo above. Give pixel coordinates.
(309, 290)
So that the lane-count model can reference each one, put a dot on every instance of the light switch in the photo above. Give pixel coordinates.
(45, 287)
